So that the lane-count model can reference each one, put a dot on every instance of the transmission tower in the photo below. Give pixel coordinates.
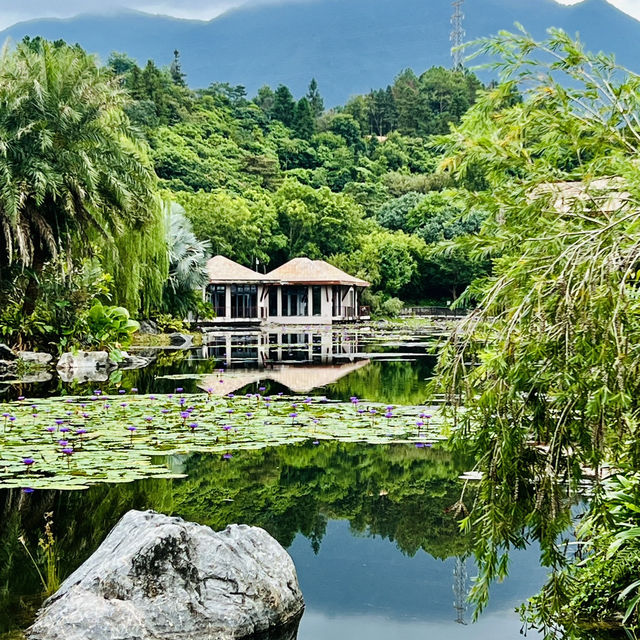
(460, 589)
(457, 33)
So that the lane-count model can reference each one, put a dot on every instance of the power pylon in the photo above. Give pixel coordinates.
(457, 33)
(460, 589)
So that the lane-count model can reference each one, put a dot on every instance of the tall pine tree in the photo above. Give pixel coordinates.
(303, 120)
(176, 70)
(284, 106)
(315, 99)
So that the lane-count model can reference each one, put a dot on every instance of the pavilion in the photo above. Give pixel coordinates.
(301, 292)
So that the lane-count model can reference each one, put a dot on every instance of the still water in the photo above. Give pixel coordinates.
(383, 364)
(378, 553)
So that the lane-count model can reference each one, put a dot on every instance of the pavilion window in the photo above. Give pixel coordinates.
(216, 296)
(295, 301)
(316, 295)
(244, 301)
(273, 301)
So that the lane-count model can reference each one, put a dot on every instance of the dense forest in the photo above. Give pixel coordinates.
(266, 179)
(259, 180)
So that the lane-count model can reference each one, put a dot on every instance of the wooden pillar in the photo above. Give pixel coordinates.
(227, 301)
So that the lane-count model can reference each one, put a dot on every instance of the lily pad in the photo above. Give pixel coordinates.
(71, 443)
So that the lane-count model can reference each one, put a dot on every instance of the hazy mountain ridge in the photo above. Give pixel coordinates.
(348, 46)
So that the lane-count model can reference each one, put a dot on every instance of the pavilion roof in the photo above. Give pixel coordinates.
(221, 269)
(306, 271)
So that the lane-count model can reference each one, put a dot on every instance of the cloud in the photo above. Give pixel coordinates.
(632, 7)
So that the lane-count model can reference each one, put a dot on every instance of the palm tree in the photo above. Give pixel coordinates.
(72, 168)
(187, 261)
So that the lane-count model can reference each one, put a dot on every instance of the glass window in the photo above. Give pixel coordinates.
(337, 301)
(295, 301)
(273, 301)
(216, 296)
(316, 293)
(244, 301)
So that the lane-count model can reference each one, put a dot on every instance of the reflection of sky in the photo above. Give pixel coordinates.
(366, 588)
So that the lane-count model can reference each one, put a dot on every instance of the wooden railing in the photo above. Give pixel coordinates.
(434, 312)
(245, 312)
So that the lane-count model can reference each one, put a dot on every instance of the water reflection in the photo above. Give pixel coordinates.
(383, 365)
(391, 595)
(384, 508)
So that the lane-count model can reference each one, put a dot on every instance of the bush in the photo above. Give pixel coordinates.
(109, 327)
(392, 307)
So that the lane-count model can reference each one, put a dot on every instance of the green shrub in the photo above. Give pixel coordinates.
(109, 327)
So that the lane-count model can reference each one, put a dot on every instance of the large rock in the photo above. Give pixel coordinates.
(37, 358)
(161, 578)
(182, 340)
(149, 327)
(83, 360)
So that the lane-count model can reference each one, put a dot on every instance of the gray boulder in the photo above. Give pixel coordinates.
(160, 578)
(149, 327)
(37, 358)
(181, 340)
(84, 360)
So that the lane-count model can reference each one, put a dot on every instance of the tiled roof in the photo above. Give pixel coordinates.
(221, 269)
(306, 271)
(603, 194)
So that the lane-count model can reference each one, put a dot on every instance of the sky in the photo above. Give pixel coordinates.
(12, 11)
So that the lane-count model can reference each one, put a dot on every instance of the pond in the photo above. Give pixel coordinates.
(378, 552)
(367, 526)
(377, 363)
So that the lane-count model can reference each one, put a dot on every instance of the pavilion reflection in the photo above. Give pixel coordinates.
(266, 348)
(301, 361)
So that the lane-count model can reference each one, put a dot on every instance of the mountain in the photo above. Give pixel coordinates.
(349, 46)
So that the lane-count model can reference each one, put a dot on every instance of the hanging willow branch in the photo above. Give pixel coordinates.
(542, 380)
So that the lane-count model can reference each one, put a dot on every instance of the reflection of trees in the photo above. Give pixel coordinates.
(398, 492)
(383, 381)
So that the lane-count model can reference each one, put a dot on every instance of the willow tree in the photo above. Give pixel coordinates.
(543, 380)
(73, 173)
